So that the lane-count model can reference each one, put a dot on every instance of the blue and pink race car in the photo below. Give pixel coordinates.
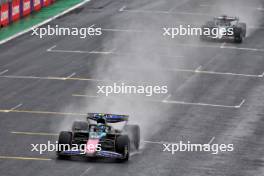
(95, 138)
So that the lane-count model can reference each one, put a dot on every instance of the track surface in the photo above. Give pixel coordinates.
(222, 100)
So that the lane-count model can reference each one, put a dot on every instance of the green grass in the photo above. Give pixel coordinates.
(37, 17)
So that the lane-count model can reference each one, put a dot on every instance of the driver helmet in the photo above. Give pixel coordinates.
(101, 125)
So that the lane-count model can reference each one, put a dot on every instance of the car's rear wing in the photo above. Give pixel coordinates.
(110, 118)
(227, 18)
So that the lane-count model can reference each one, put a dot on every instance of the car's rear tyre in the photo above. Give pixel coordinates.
(238, 39)
(243, 27)
(238, 35)
(133, 132)
(64, 143)
(80, 125)
(204, 28)
(123, 147)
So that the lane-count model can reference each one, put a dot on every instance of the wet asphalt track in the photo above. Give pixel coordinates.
(223, 99)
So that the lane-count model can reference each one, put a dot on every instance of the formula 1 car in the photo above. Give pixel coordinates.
(96, 138)
(224, 27)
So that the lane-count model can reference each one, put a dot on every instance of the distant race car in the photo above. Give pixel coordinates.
(227, 27)
(99, 139)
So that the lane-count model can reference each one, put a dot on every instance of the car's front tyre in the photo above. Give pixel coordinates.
(123, 147)
(64, 143)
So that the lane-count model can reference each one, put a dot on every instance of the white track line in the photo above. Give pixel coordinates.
(122, 8)
(204, 104)
(86, 171)
(101, 52)
(44, 22)
(167, 98)
(42, 112)
(52, 49)
(245, 49)
(164, 12)
(70, 76)
(244, 7)
(172, 102)
(52, 78)
(3, 72)
(199, 71)
(34, 133)
(65, 79)
(134, 153)
(14, 108)
(241, 104)
(222, 46)
(228, 73)
(210, 142)
(125, 30)
(25, 158)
